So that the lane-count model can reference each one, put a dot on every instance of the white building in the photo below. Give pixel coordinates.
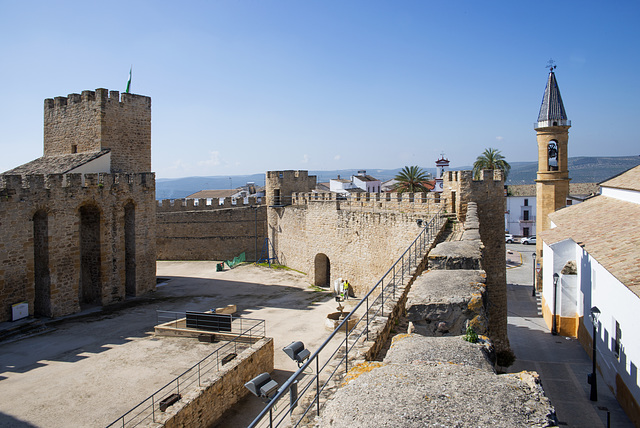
(366, 182)
(594, 248)
(358, 183)
(442, 165)
(520, 214)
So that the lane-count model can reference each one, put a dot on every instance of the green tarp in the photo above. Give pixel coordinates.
(236, 260)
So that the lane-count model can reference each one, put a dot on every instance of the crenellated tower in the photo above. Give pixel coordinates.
(99, 120)
(552, 182)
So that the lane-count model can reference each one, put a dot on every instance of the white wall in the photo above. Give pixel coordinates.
(595, 286)
(367, 186)
(623, 194)
(101, 164)
(512, 217)
(616, 303)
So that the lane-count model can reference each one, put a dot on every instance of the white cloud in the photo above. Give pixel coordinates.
(499, 138)
(214, 159)
(178, 165)
(336, 157)
(305, 158)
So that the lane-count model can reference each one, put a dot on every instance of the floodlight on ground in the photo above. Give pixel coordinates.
(262, 386)
(297, 352)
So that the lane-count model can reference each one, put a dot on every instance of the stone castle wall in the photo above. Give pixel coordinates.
(281, 184)
(81, 221)
(360, 245)
(92, 121)
(420, 203)
(488, 194)
(185, 231)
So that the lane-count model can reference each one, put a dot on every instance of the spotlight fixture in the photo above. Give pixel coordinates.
(297, 352)
(262, 386)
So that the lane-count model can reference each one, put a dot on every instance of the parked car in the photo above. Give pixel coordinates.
(528, 240)
(509, 239)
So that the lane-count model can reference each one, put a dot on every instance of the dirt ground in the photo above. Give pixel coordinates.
(88, 371)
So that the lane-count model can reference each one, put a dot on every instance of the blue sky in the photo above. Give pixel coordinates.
(242, 87)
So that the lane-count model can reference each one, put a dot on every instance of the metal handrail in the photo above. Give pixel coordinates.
(149, 406)
(401, 267)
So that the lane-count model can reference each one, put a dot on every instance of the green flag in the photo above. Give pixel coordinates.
(129, 82)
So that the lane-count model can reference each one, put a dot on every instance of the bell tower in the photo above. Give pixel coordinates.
(552, 182)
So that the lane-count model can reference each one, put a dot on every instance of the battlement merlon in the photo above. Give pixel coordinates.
(101, 96)
(34, 182)
(180, 205)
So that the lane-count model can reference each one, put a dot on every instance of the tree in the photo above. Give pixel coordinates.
(490, 159)
(411, 179)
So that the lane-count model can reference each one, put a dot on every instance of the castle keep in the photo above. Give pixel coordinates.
(78, 224)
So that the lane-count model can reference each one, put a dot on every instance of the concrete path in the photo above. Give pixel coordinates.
(89, 370)
(562, 363)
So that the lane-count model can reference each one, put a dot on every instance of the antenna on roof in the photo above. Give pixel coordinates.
(551, 65)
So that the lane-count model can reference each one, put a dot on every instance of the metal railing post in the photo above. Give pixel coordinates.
(367, 317)
(346, 348)
(394, 281)
(153, 410)
(318, 385)
(382, 298)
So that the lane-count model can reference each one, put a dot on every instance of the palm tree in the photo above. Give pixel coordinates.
(411, 179)
(490, 159)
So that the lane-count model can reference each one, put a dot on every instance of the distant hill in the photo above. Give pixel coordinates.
(581, 170)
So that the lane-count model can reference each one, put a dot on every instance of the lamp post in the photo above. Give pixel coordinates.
(554, 326)
(533, 291)
(592, 379)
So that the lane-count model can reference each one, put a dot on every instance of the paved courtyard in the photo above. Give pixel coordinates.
(89, 370)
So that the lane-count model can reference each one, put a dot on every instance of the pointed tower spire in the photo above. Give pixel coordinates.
(552, 178)
(552, 112)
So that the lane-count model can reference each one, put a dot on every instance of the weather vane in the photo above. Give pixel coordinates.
(551, 65)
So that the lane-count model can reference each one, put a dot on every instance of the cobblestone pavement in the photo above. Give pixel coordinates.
(562, 363)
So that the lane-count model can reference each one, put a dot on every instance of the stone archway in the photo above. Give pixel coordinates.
(90, 292)
(322, 267)
(42, 295)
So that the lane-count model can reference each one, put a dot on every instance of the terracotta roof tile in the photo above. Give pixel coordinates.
(629, 180)
(210, 194)
(609, 229)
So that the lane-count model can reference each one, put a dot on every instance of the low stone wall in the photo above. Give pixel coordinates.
(202, 407)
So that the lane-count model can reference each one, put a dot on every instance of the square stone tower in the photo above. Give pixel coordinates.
(99, 120)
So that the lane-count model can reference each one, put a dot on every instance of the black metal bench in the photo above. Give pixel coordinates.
(208, 322)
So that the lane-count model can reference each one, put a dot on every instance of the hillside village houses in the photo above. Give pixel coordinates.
(597, 262)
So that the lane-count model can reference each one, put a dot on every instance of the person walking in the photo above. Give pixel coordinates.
(346, 289)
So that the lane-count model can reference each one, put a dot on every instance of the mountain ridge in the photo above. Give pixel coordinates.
(582, 169)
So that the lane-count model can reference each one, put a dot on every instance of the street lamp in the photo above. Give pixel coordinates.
(533, 291)
(554, 327)
(592, 378)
